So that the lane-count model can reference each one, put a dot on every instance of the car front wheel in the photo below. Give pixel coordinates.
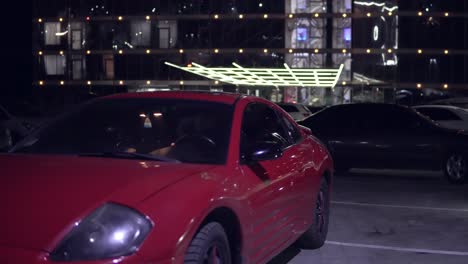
(209, 246)
(316, 235)
(456, 168)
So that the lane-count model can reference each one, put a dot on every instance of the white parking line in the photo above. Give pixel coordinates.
(401, 206)
(412, 250)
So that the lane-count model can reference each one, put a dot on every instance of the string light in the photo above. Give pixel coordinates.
(88, 18)
(368, 51)
(343, 50)
(316, 50)
(148, 17)
(420, 51)
(41, 83)
(446, 14)
(344, 15)
(291, 16)
(120, 51)
(420, 13)
(389, 50)
(265, 51)
(39, 20)
(148, 51)
(216, 50)
(241, 16)
(181, 82)
(62, 82)
(290, 50)
(316, 15)
(121, 82)
(181, 51)
(445, 86)
(369, 14)
(40, 53)
(88, 52)
(390, 13)
(343, 83)
(265, 16)
(148, 82)
(61, 19)
(419, 86)
(89, 82)
(446, 52)
(61, 52)
(216, 16)
(241, 51)
(216, 82)
(120, 18)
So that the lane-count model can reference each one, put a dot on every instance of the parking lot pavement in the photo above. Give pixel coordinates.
(392, 217)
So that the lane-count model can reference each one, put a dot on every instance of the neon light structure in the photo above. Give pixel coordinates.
(277, 77)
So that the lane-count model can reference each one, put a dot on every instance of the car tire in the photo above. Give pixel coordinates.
(316, 235)
(456, 168)
(210, 245)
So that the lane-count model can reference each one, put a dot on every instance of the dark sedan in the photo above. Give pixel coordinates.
(389, 136)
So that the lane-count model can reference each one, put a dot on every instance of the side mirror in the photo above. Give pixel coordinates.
(6, 139)
(306, 130)
(267, 150)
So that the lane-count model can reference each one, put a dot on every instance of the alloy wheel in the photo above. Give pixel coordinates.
(457, 167)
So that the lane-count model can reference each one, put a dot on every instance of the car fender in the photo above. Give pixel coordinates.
(190, 202)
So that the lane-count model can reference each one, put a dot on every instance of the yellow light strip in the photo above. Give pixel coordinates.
(259, 77)
(239, 75)
(292, 74)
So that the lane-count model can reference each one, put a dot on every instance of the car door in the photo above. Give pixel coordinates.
(271, 182)
(339, 129)
(304, 180)
(400, 138)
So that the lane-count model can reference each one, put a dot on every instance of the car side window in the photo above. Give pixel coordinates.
(260, 123)
(439, 114)
(293, 132)
(396, 119)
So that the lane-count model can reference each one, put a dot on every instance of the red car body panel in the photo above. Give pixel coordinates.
(272, 202)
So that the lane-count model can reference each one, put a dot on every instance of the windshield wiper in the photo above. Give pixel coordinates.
(128, 155)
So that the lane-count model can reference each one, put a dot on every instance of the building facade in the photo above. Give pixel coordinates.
(108, 46)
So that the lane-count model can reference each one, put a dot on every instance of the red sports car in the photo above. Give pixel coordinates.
(169, 177)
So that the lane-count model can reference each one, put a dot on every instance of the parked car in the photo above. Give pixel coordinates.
(167, 177)
(456, 101)
(389, 136)
(446, 115)
(314, 109)
(297, 111)
(11, 129)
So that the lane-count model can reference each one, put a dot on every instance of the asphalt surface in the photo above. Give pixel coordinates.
(392, 217)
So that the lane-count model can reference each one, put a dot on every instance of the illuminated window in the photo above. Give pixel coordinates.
(302, 34)
(140, 33)
(54, 64)
(51, 29)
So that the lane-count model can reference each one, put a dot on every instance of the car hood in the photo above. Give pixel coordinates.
(42, 196)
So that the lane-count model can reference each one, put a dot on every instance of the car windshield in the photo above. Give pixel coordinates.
(289, 108)
(159, 129)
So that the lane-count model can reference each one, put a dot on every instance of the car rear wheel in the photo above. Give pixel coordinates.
(316, 235)
(209, 246)
(456, 168)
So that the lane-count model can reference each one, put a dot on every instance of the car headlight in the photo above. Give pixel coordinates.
(110, 231)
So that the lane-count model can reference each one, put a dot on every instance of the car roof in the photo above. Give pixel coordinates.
(440, 106)
(219, 97)
(365, 105)
(294, 104)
